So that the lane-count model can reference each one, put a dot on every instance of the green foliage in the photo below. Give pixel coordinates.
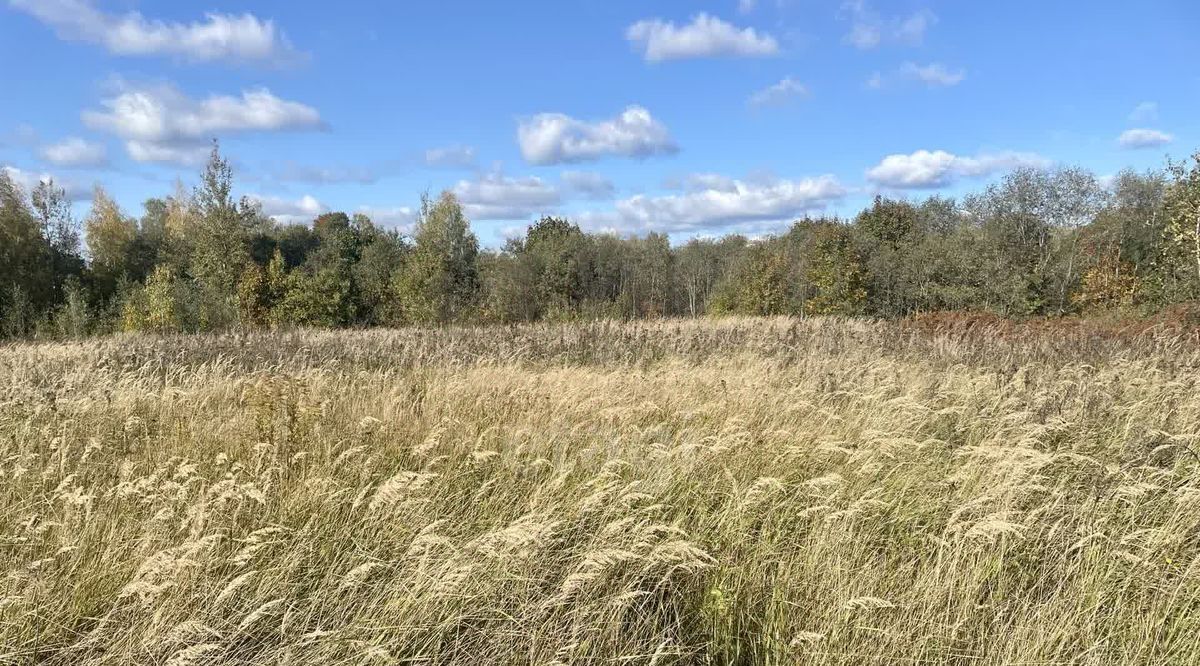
(1036, 242)
(440, 280)
(18, 313)
(110, 237)
(73, 319)
(219, 251)
(762, 285)
(315, 299)
(888, 221)
(158, 307)
(558, 260)
(835, 273)
(254, 302)
(29, 283)
(1182, 234)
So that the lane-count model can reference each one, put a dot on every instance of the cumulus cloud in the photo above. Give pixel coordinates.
(712, 202)
(288, 210)
(450, 157)
(1144, 138)
(1146, 112)
(868, 29)
(218, 37)
(556, 138)
(926, 169)
(495, 196)
(778, 94)
(588, 184)
(74, 152)
(28, 180)
(401, 218)
(183, 154)
(705, 37)
(161, 124)
(934, 74)
(701, 182)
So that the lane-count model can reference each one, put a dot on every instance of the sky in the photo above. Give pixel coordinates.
(690, 118)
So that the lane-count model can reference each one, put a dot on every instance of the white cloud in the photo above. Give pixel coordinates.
(495, 196)
(555, 138)
(934, 74)
(779, 93)
(930, 169)
(1144, 138)
(869, 30)
(705, 37)
(161, 124)
(303, 209)
(450, 157)
(726, 203)
(701, 182)
(588, 184)
(29, 180)
(184, 154)
(401, 218)
(1146, 112)
(74, 152)
(875, 81)
(219, 37)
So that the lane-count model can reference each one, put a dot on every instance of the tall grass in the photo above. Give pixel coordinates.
(730, 492)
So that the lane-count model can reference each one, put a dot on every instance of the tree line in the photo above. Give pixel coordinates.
(1038, 242)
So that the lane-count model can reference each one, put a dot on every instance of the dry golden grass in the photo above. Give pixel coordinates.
(737, 491)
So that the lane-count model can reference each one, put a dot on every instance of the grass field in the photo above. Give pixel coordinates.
(721, 492)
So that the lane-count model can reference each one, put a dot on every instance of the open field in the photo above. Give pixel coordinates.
(736, 491)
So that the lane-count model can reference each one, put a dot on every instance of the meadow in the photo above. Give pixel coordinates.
(731, 491)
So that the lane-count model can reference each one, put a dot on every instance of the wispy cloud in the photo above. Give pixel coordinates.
(1146, 112)
(778, 94)
(75, 152)
(450, 157)
(28, 180)
(934, 75)
(868, 29)
(588, 184)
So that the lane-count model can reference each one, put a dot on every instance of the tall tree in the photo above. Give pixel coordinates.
(1183, 218)
(440, 280)
(111, 236)
(219, 243)
(24, 261)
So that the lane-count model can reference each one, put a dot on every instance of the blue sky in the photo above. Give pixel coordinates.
(690, 118)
